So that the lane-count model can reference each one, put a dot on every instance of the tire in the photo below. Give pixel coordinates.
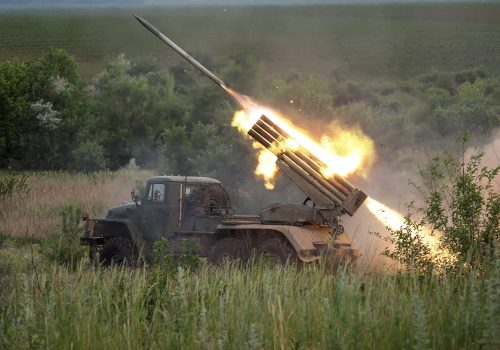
(276, 251)
(228, 249)
(118, 251)
(340, 256)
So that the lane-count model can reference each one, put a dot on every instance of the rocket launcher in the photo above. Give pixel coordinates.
(304, 170)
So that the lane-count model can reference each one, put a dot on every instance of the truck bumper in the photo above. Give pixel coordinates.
(92, 241)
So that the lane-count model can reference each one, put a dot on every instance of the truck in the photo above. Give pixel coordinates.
(197, 211)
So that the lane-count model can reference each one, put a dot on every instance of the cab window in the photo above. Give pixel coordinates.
(156, 193)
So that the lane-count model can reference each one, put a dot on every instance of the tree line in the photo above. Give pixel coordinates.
(174, 120)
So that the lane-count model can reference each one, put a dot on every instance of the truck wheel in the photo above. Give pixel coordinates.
(118, 251)
(276, 251)
(228, 249)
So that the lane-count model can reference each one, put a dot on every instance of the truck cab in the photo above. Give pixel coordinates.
(178, 208)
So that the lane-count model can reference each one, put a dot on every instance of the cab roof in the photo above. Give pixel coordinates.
(188, 179)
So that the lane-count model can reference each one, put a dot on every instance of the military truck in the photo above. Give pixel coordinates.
(197, 210)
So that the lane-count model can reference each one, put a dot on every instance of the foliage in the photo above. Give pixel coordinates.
(14, 184)
(89, 156)
(240, 308)
(177, 122)
(63, 247)
(166, 264)
(163, 258)
(44, 110)
(462, 209)
(188, 258)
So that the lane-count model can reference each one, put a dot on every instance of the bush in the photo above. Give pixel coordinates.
(188, 258)
(462, 208)
(89, 156)
(163, 258)
(63, 247)
(166, 263)
(11, 184)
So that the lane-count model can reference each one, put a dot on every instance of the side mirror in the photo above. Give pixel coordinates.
(136, 197)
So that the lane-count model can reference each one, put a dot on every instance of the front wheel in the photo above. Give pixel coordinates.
(118, 251)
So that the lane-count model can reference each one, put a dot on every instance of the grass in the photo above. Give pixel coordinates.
(44, 304)
(358, 42)
(254, 308)
(36, 214)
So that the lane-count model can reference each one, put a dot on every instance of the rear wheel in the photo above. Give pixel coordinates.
(229, 249)
(118, 251)
(276, 251)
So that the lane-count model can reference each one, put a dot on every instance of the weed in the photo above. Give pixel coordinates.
(14, 184)
(63, 246)
(163, 258)
(188, 258)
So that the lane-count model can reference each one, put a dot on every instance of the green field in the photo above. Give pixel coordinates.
(359, 42)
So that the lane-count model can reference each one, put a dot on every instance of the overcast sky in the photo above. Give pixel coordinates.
(207, 2)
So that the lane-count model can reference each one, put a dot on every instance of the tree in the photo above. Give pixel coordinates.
(137, 106)
(43, 108)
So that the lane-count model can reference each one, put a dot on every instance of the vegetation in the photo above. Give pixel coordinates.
(462, 208)
(63, 246)
(51, 296)
(37, 214)
(253, 308)
(175, 122)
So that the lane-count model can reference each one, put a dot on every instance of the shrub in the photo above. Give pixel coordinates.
(462, 207)
(188, 258)
(14, 184)
(163, 258)
(63, 246)
(89, 156)
(166, 263)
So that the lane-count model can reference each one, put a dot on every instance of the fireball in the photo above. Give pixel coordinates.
(342, 151)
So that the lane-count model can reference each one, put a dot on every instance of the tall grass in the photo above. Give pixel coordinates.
(36, 213)
(254, 308)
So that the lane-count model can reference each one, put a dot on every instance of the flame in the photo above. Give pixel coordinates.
(395, 220)
(266, 166)
(343, 152)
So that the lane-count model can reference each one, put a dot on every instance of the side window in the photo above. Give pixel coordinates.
(189, 190)
(156, 193)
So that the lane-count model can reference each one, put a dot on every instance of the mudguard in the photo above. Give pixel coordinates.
(99, 230)
(309, 241)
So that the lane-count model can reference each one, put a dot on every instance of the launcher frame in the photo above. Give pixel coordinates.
(332, 196)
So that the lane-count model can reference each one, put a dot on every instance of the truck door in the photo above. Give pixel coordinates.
(155, 213)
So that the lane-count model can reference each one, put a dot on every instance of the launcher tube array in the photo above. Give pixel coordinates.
(308, 167)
